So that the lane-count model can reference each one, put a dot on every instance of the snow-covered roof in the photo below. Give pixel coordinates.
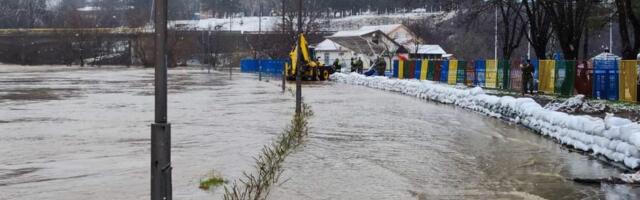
(361, 42)
(606, 56)
(427, 49)
(89, 8)
(352, 33)
(386, 29)
(328, 45)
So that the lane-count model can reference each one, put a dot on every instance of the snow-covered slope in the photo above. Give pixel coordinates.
(270, 23)
(615, 138)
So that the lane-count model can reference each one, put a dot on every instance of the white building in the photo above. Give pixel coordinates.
(329, 51)
(370, 42)
(426, 51)
(398, 32)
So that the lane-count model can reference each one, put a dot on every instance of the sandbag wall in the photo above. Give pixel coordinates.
(600, 79)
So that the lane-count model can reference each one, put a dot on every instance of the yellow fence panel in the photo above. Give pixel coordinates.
(401, 69)
(547, 76)
(491, 74)
(628, 80)
(423, 69)
(453, 72)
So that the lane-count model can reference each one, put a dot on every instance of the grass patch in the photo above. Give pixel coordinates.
(212, 181)
(268, 168)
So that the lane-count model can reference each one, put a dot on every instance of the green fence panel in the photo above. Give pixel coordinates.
(460, 72)
(432, 70)
(504, 78)
(406, 69)
(565, 77)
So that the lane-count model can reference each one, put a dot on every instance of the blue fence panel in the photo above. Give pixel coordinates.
(536, 65)
(272, 66)
(480, 69)
(395, 68)
(605, 79)
(263, 65)
(418, 68)
(444, 71)
(248, 65)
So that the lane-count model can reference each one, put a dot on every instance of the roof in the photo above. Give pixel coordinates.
(606, 56)
(427, 49)
(329, 45)
(386, 29)
(353, 33)
(360, 41)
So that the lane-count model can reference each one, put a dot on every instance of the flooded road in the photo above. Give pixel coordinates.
(69, 133)
(371, 144)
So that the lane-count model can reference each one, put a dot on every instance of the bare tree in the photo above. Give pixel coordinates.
(629, 22)
(568, 19)
(540, 29)
(512, 26)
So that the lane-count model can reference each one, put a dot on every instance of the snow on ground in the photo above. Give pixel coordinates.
(270, 23)
(576, 104)
(615, 138)
(251, 24)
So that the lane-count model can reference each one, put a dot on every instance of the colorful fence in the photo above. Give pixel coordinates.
(265, 66)
(628, 87)
(584, 78)
(601, 79)
(546, 76)
(605, 79)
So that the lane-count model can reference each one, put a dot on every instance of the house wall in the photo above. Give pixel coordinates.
(402, 34)
(327, 58)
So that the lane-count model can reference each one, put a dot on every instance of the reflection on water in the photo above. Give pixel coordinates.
(369, 144)
(83, 134)
(72, 133)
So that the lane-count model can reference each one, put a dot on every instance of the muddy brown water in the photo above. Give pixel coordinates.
(87, 138)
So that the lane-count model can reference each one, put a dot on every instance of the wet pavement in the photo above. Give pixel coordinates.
(70, 133)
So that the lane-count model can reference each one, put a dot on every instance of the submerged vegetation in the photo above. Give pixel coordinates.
(268, 166)
(213, 180)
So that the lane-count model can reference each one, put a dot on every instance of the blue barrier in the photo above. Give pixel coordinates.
(262, 65)
(395, 68)
(418, 68)
(536, 64)
(480, 69)
(247, 65)
(605, 79)
(444, 71)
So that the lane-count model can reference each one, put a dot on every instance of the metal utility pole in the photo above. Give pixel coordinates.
(496, 37)
(161, 130)
(284, 25)
(299, 62)
(255, 55)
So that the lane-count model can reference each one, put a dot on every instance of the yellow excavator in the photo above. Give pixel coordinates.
(311, 69)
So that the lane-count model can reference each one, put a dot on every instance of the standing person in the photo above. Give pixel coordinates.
(360, 65)
(353, 65)
(381, 66)
(527, 77)
(336, 65)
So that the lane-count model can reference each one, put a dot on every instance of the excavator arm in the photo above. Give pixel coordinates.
(305, 53)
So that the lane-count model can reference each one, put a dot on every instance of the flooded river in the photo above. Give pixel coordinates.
(69, 133)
